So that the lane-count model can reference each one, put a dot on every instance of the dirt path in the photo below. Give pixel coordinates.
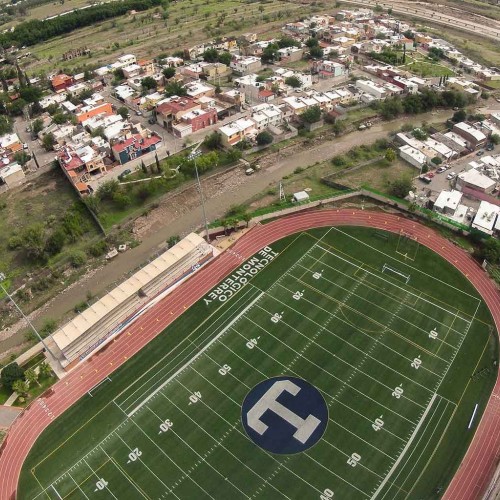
(180, 214)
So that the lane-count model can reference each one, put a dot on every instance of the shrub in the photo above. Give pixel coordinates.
(11, 373)
(78, 258)
(98, 248)
(264, 138)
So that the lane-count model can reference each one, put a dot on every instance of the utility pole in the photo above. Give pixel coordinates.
(2, 278)
(192, 156)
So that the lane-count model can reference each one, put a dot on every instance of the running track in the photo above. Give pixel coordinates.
(479, 464)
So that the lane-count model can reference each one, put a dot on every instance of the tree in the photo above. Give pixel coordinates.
(31, 94)
(55, 242)
(143, 166)
(123, 112)
(148, 83)
(312, 42)
(270, 53)
(311, 115)
(485, 95)
(436, 160)
(31, 376)
(45, 369)
(390, 155)
(22, 158)
(77, 258)
(264, 138)
(293, 81)
(37, 126)
(210, 55)
(491, 250)
(316, 52)
(169, 72)
(173, 240)
(224, 58)
(33, 242)
(5, 125)
(60, 118)
(175, 88)
(213, 141)
(401, 187)
(459, 116)
(11, 373)
(48, 141)
(20, 387)
(246, 217)
(495, 139)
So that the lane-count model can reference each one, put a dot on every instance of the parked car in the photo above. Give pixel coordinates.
(480, 152)
(490, 147)
(138, 113)
(451, 176)
(440, 170)
(124, 173)
(25, 146)
(430, 174)
(425, 179)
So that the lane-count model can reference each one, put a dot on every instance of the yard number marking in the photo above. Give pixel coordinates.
(134, 455)
(416, 363)
(298, 295)
(195, 397)
(224, 369)
(433, 334)
(398, 391)
(165, 426)
(327, 494)
(317, 276)
(100, 485)
(252, 343)
(276, 317)
(353, 460)
(378, 423)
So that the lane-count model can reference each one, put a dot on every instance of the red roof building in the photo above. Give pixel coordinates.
(61, 82)
(135, 146)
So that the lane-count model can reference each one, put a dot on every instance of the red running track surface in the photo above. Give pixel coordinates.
(478, 466)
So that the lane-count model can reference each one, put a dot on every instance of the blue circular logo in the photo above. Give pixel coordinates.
(284, 415)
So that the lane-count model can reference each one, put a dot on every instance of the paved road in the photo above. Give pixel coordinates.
(216, 207)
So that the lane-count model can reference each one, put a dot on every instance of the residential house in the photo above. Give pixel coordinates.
(447, 202)
(245, 64)
(290, 54)
(236, 131)
(374, 89)
(135, 146)
(87, 112)
(195, 120)
(131, 71)
(173, 109)
(475, 181)
(329, 69)
(61, 82)
(266, 115)
(486, 217)
(12, 175)
(199, 89)
(413, 156)
(473, 137)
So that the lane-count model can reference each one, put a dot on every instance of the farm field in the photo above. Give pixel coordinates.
(380, 351)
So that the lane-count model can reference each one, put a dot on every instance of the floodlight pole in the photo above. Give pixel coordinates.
(2, 278)
(193, 156)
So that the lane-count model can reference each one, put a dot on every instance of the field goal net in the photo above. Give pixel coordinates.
(399, 274)
(407, 245)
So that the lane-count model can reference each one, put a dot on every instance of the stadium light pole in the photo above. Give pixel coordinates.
(193, 156)
(2, 279)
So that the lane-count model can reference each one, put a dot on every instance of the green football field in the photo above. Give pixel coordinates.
(397, 343)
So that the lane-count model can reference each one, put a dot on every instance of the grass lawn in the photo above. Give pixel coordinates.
(36, 390)
(425, 69)
(4, 394)
(390, 357)
(148, 36)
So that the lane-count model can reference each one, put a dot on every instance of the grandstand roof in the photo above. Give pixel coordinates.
(79, 325)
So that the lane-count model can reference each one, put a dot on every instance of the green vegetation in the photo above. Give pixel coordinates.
(36, 31)
(384, 327)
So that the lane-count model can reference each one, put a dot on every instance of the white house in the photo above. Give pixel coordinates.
(447, 202)
(486, 216)
(266, 115)
(413, 156)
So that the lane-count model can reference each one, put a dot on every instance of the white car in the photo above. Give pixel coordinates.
(451, 176)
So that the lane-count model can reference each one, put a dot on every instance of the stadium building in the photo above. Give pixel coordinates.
(107, 317)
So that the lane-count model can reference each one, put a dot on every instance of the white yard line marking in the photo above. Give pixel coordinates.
(161, 361)
(98, 478)
(116, 465)
(246, 437)
(400, 262)
(78, 486)
(200, 352)
(218, 442)
(405, 449)
(56, 492)
(376, 290)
